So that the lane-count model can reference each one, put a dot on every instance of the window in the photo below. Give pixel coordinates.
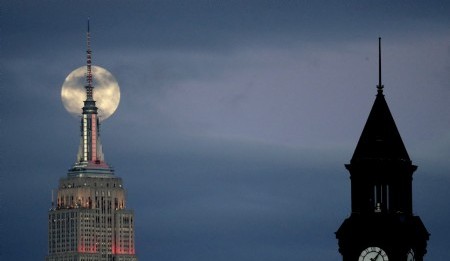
(381, 197)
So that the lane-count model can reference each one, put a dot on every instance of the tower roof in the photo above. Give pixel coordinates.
(380, 138)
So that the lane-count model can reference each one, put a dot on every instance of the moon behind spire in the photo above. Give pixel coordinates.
(106, 91)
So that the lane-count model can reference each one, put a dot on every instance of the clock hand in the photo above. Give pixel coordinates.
(379, 253)
(376, 257)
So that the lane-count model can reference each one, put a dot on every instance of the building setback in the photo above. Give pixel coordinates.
(88, 220)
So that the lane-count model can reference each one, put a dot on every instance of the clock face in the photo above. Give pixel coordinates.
(410, 255)
(373, 254)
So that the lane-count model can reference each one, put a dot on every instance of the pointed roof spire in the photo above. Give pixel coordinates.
(380, 139)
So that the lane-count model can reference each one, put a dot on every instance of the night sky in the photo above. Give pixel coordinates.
(235, 122)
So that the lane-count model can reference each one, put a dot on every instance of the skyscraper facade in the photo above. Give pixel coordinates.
(89, 220)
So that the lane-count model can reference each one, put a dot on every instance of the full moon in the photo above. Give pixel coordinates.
(106, 91)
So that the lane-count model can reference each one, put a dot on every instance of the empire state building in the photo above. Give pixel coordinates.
(89, 220)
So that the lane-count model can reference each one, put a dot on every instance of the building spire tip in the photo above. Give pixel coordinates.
(88, 64)
(380, 86)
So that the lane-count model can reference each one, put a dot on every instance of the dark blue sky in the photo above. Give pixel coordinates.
(236, 118)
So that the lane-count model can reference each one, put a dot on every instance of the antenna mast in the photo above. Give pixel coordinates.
(380, 85)
(88, 66)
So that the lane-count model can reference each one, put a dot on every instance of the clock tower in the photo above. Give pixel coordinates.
(381, 225)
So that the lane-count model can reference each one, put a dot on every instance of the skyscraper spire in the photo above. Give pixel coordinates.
(90, 147)
(380, 85)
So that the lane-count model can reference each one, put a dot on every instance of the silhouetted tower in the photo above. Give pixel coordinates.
(89, 220)
(382, 225)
